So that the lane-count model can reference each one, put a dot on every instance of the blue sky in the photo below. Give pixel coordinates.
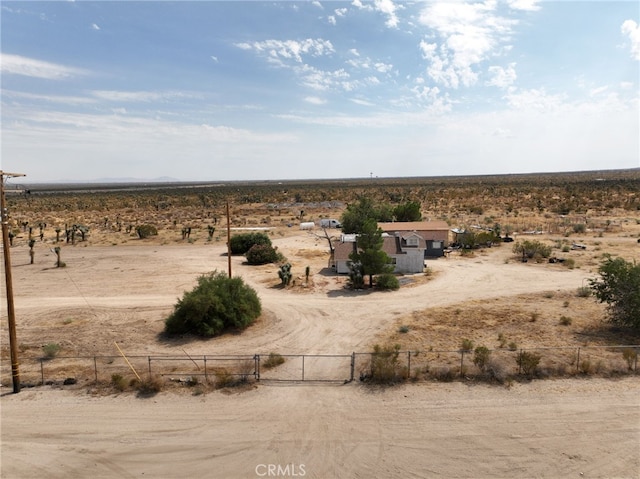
(241, 90)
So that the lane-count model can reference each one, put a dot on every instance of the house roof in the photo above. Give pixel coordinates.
(414, 226)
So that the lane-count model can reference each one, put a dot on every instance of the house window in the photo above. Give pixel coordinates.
(412, 241)
(437, 245)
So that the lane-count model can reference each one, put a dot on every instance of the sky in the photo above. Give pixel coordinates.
(251, 90)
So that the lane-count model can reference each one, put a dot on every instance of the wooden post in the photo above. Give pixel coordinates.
(11, 314)
(228, 240)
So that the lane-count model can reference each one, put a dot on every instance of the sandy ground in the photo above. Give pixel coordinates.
(558, 429)
(554, 428)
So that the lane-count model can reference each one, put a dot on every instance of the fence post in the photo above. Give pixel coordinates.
(519, 361)
(303, 367)
(204, 362)
(95, 368)
(149, 359)
(353, 364)
(635, 363)
(408, 364)
(42, 371)
(578, 361)
(461, 361)
(256, 374)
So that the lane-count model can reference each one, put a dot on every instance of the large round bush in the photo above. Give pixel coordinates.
(216, 304)
(240, 244)
(261, 254)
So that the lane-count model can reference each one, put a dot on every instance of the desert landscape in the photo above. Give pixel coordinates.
(576, 416)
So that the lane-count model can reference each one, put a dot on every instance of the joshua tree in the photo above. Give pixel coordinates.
(32, 253)
(59, 263)
(284, 273)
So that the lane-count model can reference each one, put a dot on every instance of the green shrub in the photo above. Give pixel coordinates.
(144, 231)
(481, 357)
(242, 243)
(444, 374)
(273, 360)
(528, 362)
(216, 304)
(466, 345)
(387, 282)
(118, 382)
(583, 292)
(565, 320)
(50, 350)
(150, 386)
(403, 329)
(261, 254)
(579, 228)
(532, 249)
(223, 378)
(384, 364)
(630, 355)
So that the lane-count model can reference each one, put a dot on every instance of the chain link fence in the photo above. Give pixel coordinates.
(383, 365)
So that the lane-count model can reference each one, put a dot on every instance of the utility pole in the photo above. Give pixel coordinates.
(11, 314)
(228, 240)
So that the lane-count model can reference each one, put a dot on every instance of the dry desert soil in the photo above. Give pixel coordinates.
(566, 425)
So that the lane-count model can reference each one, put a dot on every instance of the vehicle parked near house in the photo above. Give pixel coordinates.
(330, 223)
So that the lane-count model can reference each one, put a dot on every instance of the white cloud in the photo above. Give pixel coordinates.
(631, 29)
(359, 101)
(332, 20)
(388, 8)
(139, 96)
(18, 65)
(469, 34)
(95, 26)
(502, 77)
(528, 5)
(317, 4)
(340, 12)
(63, 99)
(321, 80)
(598, 90)
(535, 100)
(290, 49)
(214, 58)
(314, 100)
(362, 6)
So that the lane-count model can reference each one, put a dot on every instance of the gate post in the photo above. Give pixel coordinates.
(353, 365)
(257, 360)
